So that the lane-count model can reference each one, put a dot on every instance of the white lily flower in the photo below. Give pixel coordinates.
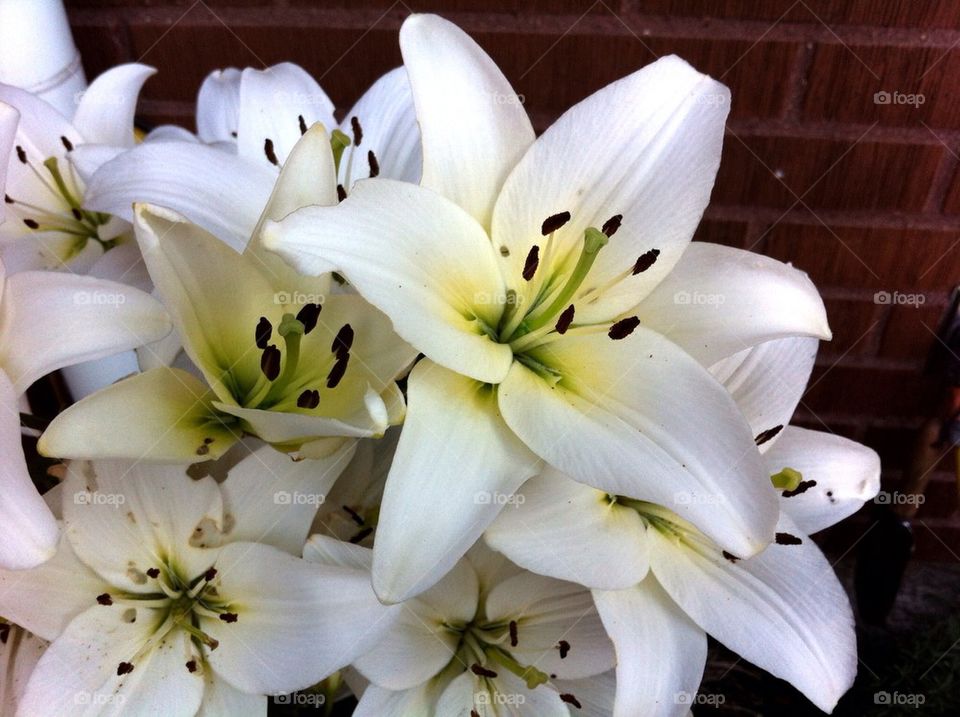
(153, 605)
(520, 269)
(252, 120)
(783, 609)
(49, 223)
(47, 321)
(488, 639)
(334, 376)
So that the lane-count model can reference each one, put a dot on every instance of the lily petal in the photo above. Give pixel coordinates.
(168, 517)
(845, 474)
(273, 499)
(418, 258)
(105, 112)
(68, 588)
(468, 692)
(305, 620)
(455, 462)
(274, 104)
(218, 106)
(783, 610)
(639, 418)
(422, 632)
(29, 529)
(161, 415)
(719, 300)
(646, 147)
(9, 118)
(379, 702)
(390, 130)
(661, 652)
(49, 320)
(221, 698)
(474, 126)
(570, 531)
(80, 667)
(767, 382)
(221, 192)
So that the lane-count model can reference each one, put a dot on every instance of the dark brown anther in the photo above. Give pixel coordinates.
(787, 539)
(623, 328)
(564, 648)
(532, 262)
(4, 632)
(645, 261)
(554, 222)
(104, 599)
(474, 713)
(228, 616)
(268, 150)
(338, 370)
(566, 318)
(21, 155)
(354, 515)
(481, 671)
(802, 487)
(203, 450)
(730, 556)
(308, 316)
(77, 214)
(374, 164)
(357, 131)
(153, 572)
(210, 574)
(303, 125)
(308, 399)
(8, 199)
(124, 668)
(570, 700)
(768, 434)
(611, 225)
(67, 144)
(514, 639)
(191, 665)
(341, 193)
(270, 362)
(342, 341)
(263, 332)
(361, 535)
(31, 223)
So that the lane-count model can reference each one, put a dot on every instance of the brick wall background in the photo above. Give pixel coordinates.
(864, 196)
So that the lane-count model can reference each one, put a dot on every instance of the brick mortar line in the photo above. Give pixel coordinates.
(837, 218)
(601, 23)
(838, 359)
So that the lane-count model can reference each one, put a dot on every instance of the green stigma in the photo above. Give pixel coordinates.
(786, 479)
(338, 142)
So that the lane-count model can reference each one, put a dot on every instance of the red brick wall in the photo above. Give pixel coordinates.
(863, 196)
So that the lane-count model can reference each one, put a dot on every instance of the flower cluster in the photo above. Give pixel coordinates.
(429, 410)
